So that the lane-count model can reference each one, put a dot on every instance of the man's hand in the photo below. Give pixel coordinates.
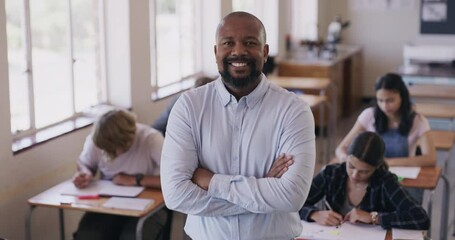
(82, 179)
(327, 218)
(280, 166)
(202, 177)
(124, 179)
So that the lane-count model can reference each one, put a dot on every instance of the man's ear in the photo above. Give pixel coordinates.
(214, 49)
(266, 52)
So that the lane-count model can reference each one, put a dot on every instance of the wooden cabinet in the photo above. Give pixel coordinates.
(344, 71)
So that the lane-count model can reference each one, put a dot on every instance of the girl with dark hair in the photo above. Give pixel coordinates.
(362, 190)
(404, 131)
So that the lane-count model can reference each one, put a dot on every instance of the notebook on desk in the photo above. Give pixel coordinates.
(103, 188)
(346, 231)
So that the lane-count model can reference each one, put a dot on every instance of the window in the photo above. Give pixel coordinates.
(267, 12)
(304, 20)
(176, 41)
(54, 57)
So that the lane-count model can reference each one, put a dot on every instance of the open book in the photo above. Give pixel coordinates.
(103, 188)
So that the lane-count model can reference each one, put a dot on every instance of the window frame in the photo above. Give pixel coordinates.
(24, 139)
(184, 82)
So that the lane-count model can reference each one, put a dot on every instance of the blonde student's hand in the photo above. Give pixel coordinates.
(327, 218)
(280, 166)
(357, 215)
(124, 179)
(82, 179)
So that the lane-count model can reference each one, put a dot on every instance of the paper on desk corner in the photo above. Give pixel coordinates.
(406, 234)
(138, 204)
(406, 172)
(345, 231)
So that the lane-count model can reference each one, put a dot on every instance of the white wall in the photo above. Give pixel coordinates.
(382, 33)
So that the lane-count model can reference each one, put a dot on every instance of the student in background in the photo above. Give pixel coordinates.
(404, 131)
(223, 138)
(160, 123)
(361, 189)
(129, 154)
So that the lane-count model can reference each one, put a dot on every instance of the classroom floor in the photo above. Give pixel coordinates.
(342, 129)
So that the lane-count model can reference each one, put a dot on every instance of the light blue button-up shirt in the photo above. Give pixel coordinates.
(238, 141)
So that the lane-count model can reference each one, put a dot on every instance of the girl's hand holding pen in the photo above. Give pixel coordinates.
(327, 218)
(82, 179)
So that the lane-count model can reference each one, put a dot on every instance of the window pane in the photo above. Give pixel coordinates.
(51, 74)
(86, 51)
(18, 84)
(175, 40)
(267, 12)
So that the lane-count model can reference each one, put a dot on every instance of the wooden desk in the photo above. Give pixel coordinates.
(443, 140)
(315, 102)
(53, 199)
(428, 179)
(318, 86)
(302, 83)
(344, 71)
(437, 110)
(432, 91)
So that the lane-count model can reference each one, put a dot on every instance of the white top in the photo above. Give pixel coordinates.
(419, 127)
(144, 155)
(238, 141)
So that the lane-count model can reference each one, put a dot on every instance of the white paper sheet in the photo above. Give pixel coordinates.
(103, 187)
(407, 234)
(406, 172)
(138, 204)
(346, 231)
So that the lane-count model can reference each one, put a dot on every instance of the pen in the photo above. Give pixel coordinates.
(88, 197)
(328, 205)
(330, 208)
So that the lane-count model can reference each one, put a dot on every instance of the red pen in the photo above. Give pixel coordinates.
(88, 197)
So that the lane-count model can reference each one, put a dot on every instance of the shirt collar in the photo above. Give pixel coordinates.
(251, 99)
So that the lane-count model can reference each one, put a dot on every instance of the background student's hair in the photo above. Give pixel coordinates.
(114, 130)
(394, 82)
(369, 147)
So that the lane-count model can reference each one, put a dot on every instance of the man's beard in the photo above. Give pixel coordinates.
(239, 82)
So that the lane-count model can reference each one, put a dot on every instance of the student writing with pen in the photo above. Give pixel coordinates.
(362, 190)
(129, 154)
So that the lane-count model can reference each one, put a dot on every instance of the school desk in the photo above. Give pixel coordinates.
(53, 198)
(428, 179)
(316, 101)
(438, 110)
(320, 86)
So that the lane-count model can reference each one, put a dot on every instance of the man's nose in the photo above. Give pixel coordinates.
(239, 49)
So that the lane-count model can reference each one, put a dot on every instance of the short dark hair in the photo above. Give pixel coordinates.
(368, 147)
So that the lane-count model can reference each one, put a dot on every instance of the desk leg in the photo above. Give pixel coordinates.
(445, 207)
(61, 219)
(430, 211)
(320, 153)
(28, 222)
(140, 224)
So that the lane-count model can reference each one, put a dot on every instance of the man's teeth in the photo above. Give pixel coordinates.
(239, 64)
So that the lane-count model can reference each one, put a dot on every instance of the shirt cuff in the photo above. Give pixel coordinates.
(219, 186)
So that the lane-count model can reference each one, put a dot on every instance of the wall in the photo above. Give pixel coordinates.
(382, 33)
